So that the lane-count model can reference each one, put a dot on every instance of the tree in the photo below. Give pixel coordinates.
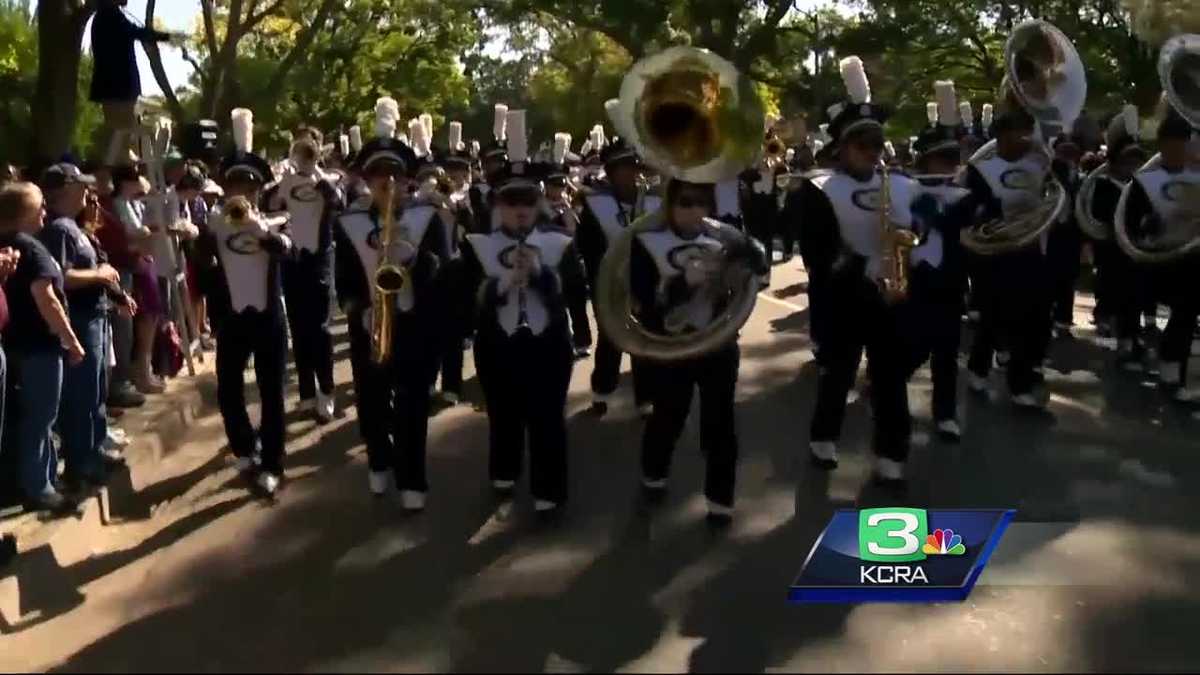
(60, 25)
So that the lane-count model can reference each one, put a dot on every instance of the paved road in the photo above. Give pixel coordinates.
(1097, 575)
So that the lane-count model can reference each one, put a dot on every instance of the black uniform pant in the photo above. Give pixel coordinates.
(606, 372)
(1063, 252)
(863, 322)
(581, 330)
(1014, 303)
(393, 403)
(1176, 283)
(308, 291)
(715, 375)
(264, 336)
(457, 318)
(1123, 290)
(934, 319)
(761, 216)
(525, 380)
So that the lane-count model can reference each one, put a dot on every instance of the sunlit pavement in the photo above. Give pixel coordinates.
(1097, 574)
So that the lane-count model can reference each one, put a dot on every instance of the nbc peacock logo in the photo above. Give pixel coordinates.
(943, 542)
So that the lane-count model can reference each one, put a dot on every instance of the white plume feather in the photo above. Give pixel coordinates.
(387, 116)
(597, 136)
(475, 148)
(455, 140)
(561, 143)
(1130, 114)
(824, 129)
(988, 111)
(818, 145)
(344, 144)
(402, 137)
(966, 113)
(427, 122)
(836, 109)
(356, 138)
(931, 112)
(417, 137)
(912, 140)
(855, 79)
(499, 122)
(243, 129)
(518, 144)
(947, 103)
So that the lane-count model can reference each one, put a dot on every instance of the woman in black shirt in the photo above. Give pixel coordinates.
(36, 337)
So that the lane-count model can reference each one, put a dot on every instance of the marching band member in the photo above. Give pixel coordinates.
(240, 255)
(608, 211)
(522, 347)
(1158, 196)
(393, 397)
(492, 159)
(939, 264)
(565, 219)
(1121, 284)
(1012, 288)
(1065, 241)
(456, 167)
(312, 201)
(669, 268)
(843, 250)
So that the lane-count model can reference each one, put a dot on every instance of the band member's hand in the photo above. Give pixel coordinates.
(129, 306)
(109, 276)
(9, 258)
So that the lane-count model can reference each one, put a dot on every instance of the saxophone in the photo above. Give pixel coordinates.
(895, 243)
(391, 277)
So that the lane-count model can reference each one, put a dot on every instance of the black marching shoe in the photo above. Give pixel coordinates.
(599, 408)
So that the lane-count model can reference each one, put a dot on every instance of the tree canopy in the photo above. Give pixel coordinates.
(324, 62)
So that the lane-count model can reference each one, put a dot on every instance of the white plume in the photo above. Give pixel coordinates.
(475, 148)
(947, 103)
(355, 138)
(455, 140)
(912, 140)
(518, 144)
(988, 110)
(344, 144)
(562, 142)
(417, 137)
(387, 116)
(967, 114)
(789, 155)
(889, 150)
(855, 79)
(931, 112)
(243, 129)
(598, 140)
(824, 128)
(427, 122)
(835, 110)
(402, 137)
(585, 148)
(499, 122)
(817, 146)
(1132, 126)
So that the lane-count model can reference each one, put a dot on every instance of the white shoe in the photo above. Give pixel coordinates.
(646, 409)
(379, 482)
(719, 510)
(977, 383)
(949, 429)
(307, 405)
(889, 469)
(324, 407)
(1187, 395)
(504, 485)
(412, 500)
(450, 397)
(544, 505)
(269, 483)
(654, 484)
(1028, 400)
(824, 452)
(1170, 372)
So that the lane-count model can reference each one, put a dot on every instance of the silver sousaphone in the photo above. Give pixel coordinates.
(692, 116)
(1045, 76)
(1179, 71)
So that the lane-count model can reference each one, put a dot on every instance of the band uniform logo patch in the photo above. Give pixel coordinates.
(1018, 179)
(243, 243)
(682, 256)
(867, 200)
(306, 192)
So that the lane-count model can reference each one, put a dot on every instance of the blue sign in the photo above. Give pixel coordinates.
(900, 554)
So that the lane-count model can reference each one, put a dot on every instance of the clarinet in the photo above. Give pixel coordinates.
(522, 302)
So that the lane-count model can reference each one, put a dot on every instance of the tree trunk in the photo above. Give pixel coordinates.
(160, 73)
(55, 101)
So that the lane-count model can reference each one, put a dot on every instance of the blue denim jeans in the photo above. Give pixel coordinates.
(81, 420)
(39, 378)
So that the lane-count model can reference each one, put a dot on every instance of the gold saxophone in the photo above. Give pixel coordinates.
(896, 245)
(391, 277)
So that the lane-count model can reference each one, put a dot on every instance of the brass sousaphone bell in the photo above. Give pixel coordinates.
(693, 117)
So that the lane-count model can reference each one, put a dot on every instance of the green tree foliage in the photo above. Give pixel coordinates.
(18, 82)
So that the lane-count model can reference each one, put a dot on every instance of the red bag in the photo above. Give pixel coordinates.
(168, 350)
